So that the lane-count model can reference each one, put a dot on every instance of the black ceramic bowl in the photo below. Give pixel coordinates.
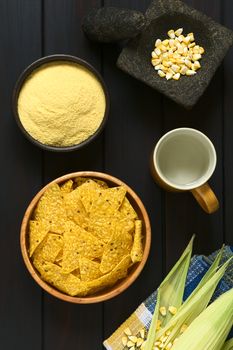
(23, 77)
(161, 16)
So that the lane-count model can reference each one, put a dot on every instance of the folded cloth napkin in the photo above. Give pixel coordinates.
(143, 314)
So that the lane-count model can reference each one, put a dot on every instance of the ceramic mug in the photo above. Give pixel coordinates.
(184, 159)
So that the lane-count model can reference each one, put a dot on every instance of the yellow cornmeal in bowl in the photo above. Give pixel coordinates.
(61, 104)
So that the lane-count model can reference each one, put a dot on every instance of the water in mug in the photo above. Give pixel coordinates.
(183, 160)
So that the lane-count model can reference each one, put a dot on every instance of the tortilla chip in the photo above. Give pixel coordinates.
(75, 209)
(50, 209)
(50, 247)
(127, 209)
(137, 249)
(108, 201)
(104, 226)
(52, 274)
(37, 232)
(87, 192)
(119, 272)
(67, 186)
(119, 246)
(78, 242)
(82, 180)
(89, 270)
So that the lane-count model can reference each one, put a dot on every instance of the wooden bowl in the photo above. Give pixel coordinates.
(134, 271)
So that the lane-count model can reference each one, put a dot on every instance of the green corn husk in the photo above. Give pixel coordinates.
(210, 329)
(192, 307)
(170, 292)
(172, 287)
(228, 345)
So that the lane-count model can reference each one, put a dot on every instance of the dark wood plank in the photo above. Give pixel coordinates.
(183, 216)
(20, 297)
(68, 326)
(228, 128)
(134, 125)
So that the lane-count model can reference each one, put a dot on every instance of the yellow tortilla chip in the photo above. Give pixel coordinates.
(52, 274)
(82, 180)
(50, 209)
(127, 209)
(87, 192)
(37, 232)
(75, 209)
(78, 242)
(119, 246)
(119, 272)
(137, 249)
(50, 247)
(104, 226)
(108, 201)
(89, 270)
(67, 186)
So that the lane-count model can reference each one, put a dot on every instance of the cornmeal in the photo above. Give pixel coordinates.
(61, 104)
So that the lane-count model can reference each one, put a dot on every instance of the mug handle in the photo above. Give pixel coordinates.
(206, 198)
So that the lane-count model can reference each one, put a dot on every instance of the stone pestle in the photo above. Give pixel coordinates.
(111, 24)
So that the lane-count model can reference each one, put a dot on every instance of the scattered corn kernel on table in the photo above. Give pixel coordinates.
(30, 318)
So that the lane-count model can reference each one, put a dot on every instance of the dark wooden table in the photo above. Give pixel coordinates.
(29, 29)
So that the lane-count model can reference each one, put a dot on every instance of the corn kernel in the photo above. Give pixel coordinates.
(124, 341)
(171, 34)
(133, 338)
(163, 310)
(157, 51)
(165, 42)
(201, 50)
(130, 343)
(186, 39)
(175, 68)
(190, 72)
(162, 48)
(127, 331)
(158, 42)
(196, 57)
(166, 63)
(142, 333)
(179, 31)
(139, 342)
(180, 38)
(196, 65)
(191, 35)
(169, 75)
(172, 310)
(183, 70)
(188, 63)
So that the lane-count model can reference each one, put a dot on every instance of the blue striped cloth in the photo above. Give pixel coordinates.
(198, 267)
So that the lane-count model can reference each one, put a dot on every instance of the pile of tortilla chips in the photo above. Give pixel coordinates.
(84, 236)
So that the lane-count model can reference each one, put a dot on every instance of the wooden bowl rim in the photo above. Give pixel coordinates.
(126, 282)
